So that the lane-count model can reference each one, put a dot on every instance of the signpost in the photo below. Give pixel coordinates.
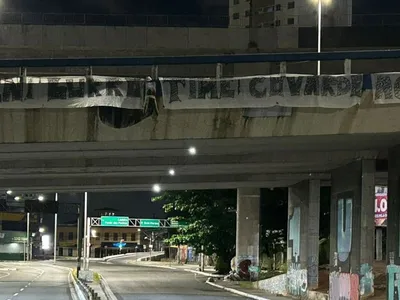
(149, 223)
(112, 221)
(177, 224)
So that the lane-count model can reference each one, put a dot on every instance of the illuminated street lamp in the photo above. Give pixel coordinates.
(171, 172)
(41, 230)
(192, 151)
(41, 198)
(17, 198)
(156, 188)
(9, 192)
(319, 2)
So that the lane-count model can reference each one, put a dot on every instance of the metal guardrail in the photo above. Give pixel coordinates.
(201, 59)
(113, 20)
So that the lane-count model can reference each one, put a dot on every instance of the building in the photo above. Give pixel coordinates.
(275, 13)
(13, 245)
(67, 240)
(104, 240)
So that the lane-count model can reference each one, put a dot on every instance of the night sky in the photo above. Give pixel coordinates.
(115, 6)
(165, 6)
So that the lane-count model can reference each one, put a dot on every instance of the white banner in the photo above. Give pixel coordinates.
(386, 88)
(73, 92)
(331, 91)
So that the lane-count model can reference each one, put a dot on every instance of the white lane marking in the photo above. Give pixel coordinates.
(16, 294)
(21, 289)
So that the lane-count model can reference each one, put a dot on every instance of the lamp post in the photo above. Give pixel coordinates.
(319, 34)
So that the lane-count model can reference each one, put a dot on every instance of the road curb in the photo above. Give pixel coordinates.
(237, 292)
(106, 289)
(205, 273)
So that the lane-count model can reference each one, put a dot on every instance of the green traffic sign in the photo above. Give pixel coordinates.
(112, 221)
(150, 223)
(176, 224)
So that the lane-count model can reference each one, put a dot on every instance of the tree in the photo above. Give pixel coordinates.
(211, 218)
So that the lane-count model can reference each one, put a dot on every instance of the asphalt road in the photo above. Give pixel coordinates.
(27, 281)
(131, 282)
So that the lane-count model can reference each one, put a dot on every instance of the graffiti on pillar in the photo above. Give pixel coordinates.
(296, 280)
(312, 271)
(393, 282)
(294, 235)
(247, 267)
(366, 280)
(343, 286)
(344, 228)
(296, 284)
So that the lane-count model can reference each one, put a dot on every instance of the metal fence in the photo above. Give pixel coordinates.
(114, 20)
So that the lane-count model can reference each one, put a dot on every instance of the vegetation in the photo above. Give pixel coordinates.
(211, 218)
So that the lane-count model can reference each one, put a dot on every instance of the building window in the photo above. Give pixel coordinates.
(290, 5)
(247, 13)
(124, 236)
(115, 236)
(277, 22)
(133, 237)
(236, 16)
(269, 9)
(235, 2)
(290, 21)
(61, 236)
(70, 236)
(107, 236)
(278, 7)
(70, 252)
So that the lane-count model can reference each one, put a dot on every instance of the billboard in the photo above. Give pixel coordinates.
(380, 205)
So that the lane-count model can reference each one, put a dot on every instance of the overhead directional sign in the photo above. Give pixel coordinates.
(177, 224)
(113, 221)
(150, 223)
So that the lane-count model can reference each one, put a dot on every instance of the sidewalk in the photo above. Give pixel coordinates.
(173, 266)
(245, 288)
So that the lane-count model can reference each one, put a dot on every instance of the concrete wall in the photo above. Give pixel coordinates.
(57, 125)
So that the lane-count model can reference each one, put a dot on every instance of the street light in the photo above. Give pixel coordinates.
(17, 198)
(326, 2)
(171, 172)
(41, 198)
(192, 151)
(41, 230)
(156, 188)
(9, 192)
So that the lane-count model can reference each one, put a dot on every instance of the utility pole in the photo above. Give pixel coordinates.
(55, 231)
(28, 236)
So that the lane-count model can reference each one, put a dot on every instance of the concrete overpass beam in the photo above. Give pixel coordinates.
(303, 236)
(352, 228)
(393, 222)
(248, 229)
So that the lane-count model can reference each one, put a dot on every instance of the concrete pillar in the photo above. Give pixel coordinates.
(303, 237)
(393, 224)
(378, 244)
(248, 232)
(353, 228)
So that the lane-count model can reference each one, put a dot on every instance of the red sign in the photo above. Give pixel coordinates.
(380, 205)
